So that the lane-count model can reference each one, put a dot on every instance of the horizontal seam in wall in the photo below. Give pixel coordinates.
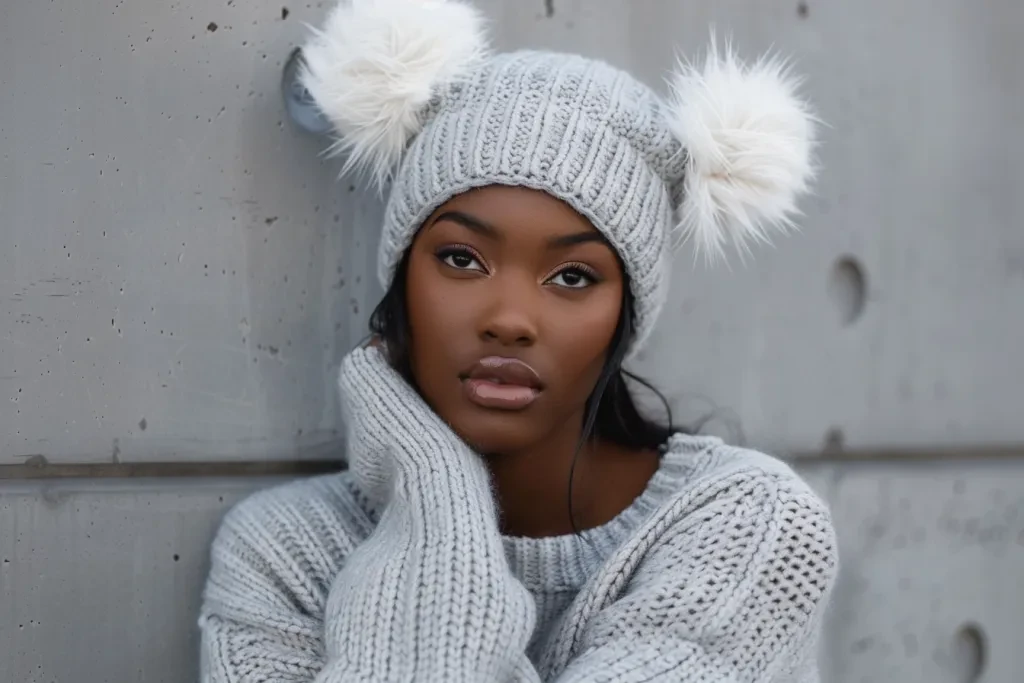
(39, 468)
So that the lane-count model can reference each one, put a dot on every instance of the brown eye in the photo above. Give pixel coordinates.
(460, 258)
(574, 277)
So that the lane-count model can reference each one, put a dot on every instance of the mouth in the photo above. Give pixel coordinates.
(502, 383)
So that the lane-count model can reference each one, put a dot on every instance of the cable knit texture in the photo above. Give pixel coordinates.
(396, 571)
(578, 129)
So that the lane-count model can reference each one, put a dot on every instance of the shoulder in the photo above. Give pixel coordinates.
(749, 508)
(740, 560)
(312, 506)
(288, 542)
(707, 463)
(322, 516)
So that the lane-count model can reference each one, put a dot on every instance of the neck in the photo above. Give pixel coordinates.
(532, 486)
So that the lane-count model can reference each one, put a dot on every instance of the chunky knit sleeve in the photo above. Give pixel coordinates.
(429, 596)
(730, 585)
(272, 564)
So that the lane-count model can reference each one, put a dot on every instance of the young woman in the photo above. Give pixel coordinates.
(509, 514)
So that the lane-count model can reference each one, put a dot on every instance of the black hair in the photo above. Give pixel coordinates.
(611, 411)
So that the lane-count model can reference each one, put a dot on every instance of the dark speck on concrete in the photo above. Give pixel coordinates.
(211, 27)
(143, 424)
(862, 645)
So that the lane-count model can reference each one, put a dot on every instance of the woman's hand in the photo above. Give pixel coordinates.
(392, 431)
(377, 398)
(438, 527)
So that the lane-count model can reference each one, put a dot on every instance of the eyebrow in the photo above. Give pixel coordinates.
(487, 230)
(578, 238)
(467, 221)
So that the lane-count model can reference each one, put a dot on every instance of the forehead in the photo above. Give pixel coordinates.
(519, 211)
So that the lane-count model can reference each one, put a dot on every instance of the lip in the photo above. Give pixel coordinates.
(502, 383)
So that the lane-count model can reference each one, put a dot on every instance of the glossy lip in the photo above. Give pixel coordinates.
(502, 383)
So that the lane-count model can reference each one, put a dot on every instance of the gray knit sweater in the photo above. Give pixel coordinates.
(396, 571)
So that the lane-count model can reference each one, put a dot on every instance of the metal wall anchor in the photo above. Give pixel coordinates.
(301, 108)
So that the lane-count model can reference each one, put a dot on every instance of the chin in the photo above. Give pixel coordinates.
(496, 432)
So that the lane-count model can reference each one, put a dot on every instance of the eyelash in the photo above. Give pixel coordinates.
(579, 268)
(582, 269)
(445, 253)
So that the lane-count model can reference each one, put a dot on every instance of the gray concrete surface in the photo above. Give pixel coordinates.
(932, 556)
(100, 581)
(180, 274)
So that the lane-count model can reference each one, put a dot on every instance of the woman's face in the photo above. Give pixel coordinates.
(513, 300)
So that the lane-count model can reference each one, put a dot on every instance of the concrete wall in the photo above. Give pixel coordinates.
(180, 274)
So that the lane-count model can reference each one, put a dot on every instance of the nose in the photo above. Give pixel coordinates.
(511, 315)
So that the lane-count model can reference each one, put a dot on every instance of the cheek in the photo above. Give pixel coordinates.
(579, 335)
(439, 318)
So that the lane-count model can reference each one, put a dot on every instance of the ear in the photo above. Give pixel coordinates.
(375, 66)
(749, 140)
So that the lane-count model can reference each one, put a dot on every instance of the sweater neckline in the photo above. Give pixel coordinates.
(564, 563)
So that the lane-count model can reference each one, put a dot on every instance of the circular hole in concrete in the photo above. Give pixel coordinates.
(847, 288)
(969, 653)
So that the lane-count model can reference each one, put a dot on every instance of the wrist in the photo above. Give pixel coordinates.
(370, 383)
(385, 414)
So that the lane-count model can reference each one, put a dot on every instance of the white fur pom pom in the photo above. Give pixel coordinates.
(375, 66)
(749, 140)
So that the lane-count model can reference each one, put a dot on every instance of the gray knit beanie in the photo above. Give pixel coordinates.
(418, 101)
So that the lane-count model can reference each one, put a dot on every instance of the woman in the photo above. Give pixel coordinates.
(509, 514)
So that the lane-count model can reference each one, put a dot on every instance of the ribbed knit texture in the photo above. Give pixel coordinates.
(396, 572)
(578, 129)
